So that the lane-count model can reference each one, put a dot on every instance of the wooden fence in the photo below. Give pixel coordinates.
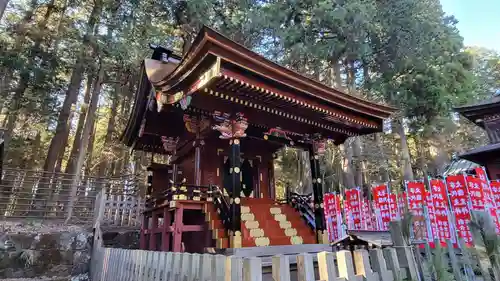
(137, 265)
(118, 210)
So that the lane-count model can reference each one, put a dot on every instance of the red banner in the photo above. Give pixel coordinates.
(353, 207)
(416, 196)
(394, 207)
(381, 204)
(333, 216)
(476, 194)
(441, 227)
(495, 214)
(495, 190)
(485, 183)
(367, 215)
(457, 189)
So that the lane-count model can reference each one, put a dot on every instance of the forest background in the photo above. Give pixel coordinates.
(69, 71)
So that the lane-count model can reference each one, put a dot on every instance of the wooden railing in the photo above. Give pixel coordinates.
(302, 203)
(180, 191)
(222, 206)
(118, 209)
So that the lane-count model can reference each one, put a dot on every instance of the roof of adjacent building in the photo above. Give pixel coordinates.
(483, 154)
(477, 111)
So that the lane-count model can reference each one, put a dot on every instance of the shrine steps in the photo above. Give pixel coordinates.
(263, 223)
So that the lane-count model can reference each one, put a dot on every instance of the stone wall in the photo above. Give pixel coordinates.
(41, 250)
(120, 238)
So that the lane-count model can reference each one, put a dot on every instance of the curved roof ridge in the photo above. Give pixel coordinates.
(209, 35)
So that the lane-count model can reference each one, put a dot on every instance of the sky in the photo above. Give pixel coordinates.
(479, 21)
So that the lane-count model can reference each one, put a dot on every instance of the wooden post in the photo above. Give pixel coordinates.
(405, 254)
(234, 268)
(346, 267)
(280, 268)
(305, 267)
(392, 263)
(104, 273)
(363, 267)
(186, 260)
(197, 161)
(165, 234)
(252, 269)
(453, 260)
(178, 225)
(218, 267)
(168, 266)
(144, 228)
(152, 231)
(235, 202)
(326, 266)
(195, 268)
(319, 215)
(177, 266)
(206, 267)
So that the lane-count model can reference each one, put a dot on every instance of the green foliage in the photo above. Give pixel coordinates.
(403, 52)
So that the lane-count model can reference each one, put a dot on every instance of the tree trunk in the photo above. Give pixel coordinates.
(25, 74)
(383, 162)
(347, 165)
(104, 160)
(24, 197)
(87, 129)
(422, 162)
(90, 152)
(405, 152)
(70, 167)
(356, 162)
(72, 92)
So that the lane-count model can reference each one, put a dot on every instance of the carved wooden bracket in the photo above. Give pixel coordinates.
(230, 128)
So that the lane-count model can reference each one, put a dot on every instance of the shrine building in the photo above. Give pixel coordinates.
(486, 115)
(221, 112)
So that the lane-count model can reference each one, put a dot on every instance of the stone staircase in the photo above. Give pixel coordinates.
(263, 223)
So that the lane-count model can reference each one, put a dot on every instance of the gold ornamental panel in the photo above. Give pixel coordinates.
(247, 217)
(262, 241)
(280, 217)
(296, 240)
(245, 209)
(256, 232)
(285, 224)
(252, 224)
(291, 232)
(275, 210)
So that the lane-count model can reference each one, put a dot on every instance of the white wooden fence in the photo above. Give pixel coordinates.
(110, 264)
(118, 210)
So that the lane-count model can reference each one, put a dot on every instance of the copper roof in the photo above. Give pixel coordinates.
(211, 43)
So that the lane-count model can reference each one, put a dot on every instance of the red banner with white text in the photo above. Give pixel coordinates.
(457, 190)
(415, 191)
(381, 206)
(441, 227)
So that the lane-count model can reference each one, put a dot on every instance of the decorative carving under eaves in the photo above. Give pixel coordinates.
(277, 132)
(196, 124)
(319, 145)
(230, 128)
(169, 144)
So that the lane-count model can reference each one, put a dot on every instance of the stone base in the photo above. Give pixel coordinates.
(57, 252)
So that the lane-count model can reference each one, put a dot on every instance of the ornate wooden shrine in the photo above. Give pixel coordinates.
(221, 112)
(485, 114)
